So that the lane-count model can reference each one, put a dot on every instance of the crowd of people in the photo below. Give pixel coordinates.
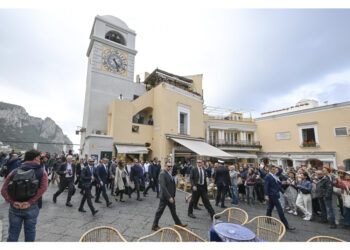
(306, 191)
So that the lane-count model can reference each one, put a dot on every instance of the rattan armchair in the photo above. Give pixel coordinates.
(268, 228)
(234, 215)
(102, 234)
(187, 235)
(324, 239)
(165, 234)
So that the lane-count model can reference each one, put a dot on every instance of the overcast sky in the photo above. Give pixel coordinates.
(251, 59)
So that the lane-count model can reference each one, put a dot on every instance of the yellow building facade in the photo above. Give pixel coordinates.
(317, 136)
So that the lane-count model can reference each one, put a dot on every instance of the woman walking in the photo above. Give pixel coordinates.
(121, 181)
(304, 200)
(292, 193)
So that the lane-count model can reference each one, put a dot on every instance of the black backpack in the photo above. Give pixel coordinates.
(23, 185)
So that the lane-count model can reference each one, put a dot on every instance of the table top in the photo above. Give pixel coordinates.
(234, 231)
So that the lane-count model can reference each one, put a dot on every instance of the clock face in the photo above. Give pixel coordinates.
(114, 61)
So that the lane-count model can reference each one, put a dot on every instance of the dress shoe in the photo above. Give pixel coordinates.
(145, 194)
(94, 212)
(109, 204)
(223, 206)
(82, 210)
(191, 216)
(197, 208)
(139, 199)
(183, 225)
(68, 204)
(98, 201)
(155, 228)
(54, 198)
(122, 200)
(216, 217)
(333, 226)
(158, 196)
(217, 204)
(290, 228)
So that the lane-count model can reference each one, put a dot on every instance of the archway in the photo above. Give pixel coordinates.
(315, 163)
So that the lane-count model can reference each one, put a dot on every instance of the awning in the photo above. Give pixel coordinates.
(202, 148)
(244, 155)
(130, 149)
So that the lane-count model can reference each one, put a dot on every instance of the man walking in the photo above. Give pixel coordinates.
(154, 171)
(112, 170)
(136, 176)
(102, 178)
(66, 172)
(87, 178)
(222, 181)
(25, 211)
(167, 197)
(199, 189)
(272, 195)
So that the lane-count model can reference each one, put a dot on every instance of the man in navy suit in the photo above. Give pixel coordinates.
(154, 171)
(102, 178)
(272, 195)
(87, 177)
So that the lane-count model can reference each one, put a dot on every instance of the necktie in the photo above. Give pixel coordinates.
(91, 170)
(200, 176)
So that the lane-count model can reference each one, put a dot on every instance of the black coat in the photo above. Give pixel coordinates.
(63, 168)
(222, 176)
(167, 186)
(86, 175)
(154, 171)
(194, 176)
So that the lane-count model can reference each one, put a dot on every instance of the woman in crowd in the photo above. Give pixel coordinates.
(345, 191)
(249, 186)
(292, 193)
(304, 200)
(240, 182)
(121, 181)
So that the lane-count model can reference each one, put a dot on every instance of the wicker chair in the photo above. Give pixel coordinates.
(187, 235)
(234, 215)
(102, 234)
(324, 239)
(211, 187)
(268, 228)
(165, 234)
(187, 183)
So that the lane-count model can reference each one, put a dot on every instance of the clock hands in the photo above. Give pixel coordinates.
(116, 64)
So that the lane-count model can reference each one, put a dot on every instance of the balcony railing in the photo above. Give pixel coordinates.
(235, 143)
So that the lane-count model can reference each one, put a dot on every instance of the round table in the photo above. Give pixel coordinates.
(233, 232)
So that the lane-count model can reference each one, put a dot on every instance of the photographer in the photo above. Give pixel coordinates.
(66, 172)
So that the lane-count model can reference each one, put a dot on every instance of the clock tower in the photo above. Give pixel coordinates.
(111, 56)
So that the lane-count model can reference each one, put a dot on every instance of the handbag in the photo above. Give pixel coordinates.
(239, 181)
(346, 198)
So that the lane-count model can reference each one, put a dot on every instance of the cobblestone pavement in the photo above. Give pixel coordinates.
(134, 219)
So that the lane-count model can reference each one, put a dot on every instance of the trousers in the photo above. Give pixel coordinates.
(104, 193)
(274, 202)
(28, 217)
(220, 195)
(304, 203)
(201, 192)
(162, 204)
(86, 197)
(66, 182)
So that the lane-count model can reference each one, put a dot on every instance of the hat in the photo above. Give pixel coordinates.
(220, 161)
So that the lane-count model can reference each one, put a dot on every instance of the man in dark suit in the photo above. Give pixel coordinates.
(154, 171)
(136, 176)
(167, 197)
(102, 178)
(199, 189)
(272, 195)
(66, 172)
(87, 177)
(222, 181)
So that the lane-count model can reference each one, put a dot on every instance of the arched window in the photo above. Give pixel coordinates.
(115, 37)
